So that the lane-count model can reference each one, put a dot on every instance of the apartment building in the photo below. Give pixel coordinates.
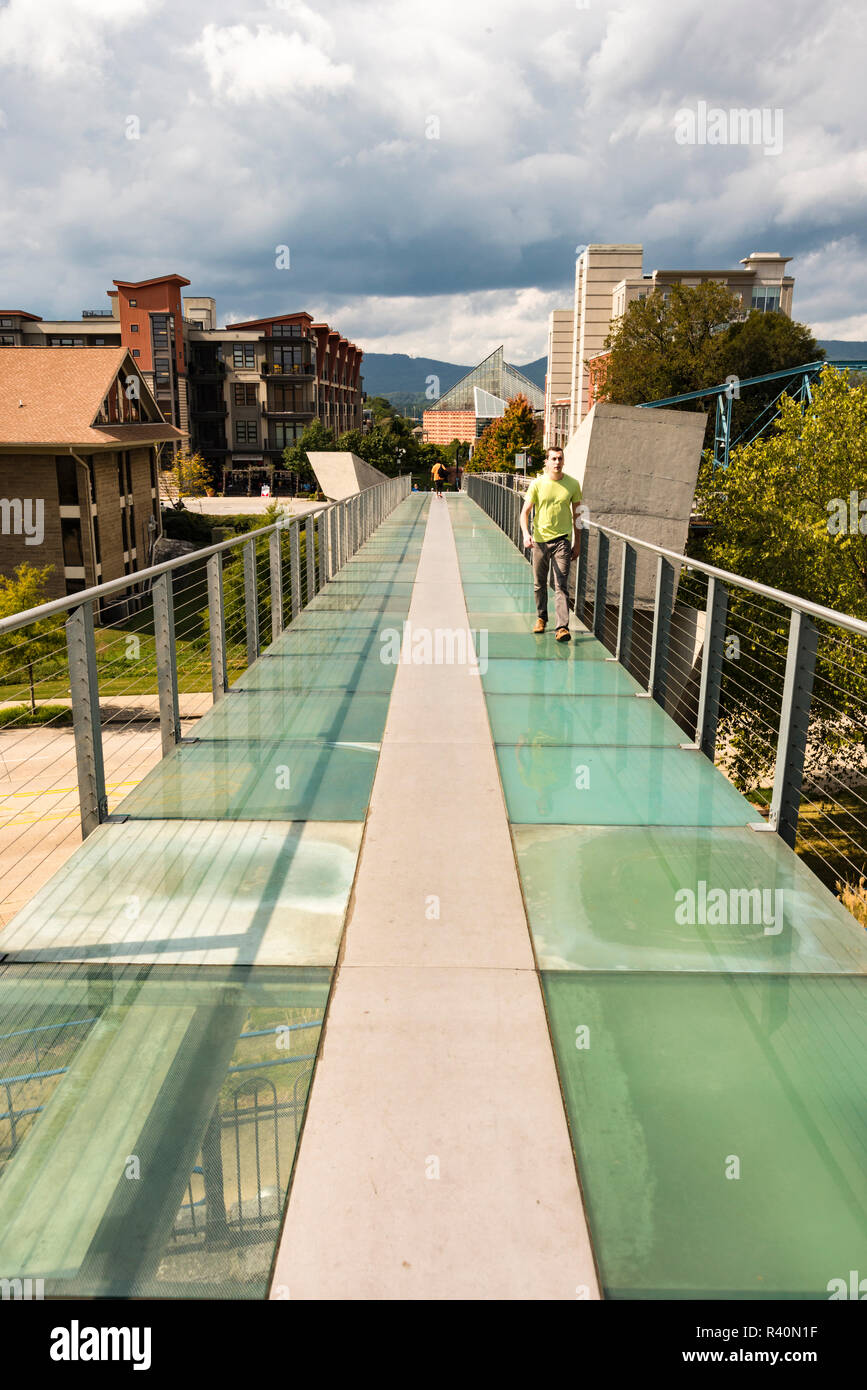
(241, 393)
(607, 280)
(80, 439)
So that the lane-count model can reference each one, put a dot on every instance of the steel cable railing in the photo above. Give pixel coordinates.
(770, 686)
(97, 687)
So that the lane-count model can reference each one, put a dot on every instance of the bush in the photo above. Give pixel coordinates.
(43, 714)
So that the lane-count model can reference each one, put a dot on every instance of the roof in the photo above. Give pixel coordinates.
(18, 313)
(62, 390)
(141, 284)
(276, 318)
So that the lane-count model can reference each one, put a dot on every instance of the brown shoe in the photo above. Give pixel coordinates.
(540, 625)
(563, 634)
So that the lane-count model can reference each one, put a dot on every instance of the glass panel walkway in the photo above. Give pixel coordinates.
(701, 987)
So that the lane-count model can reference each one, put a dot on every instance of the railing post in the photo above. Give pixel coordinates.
(295, 567)
(217, 623)
(322, 537)
(707, 719)
(167, 666)
(275, 566)
(627, 605)
(661, 630)
(310, 551)
(251, 602)
(601, 593)
(794, 725)
(581, 575)
(84, 689)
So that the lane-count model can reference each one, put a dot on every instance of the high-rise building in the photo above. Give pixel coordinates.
(607, 279)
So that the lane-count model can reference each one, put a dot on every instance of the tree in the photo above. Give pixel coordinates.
(37, 646)
(791, 512)
(699, 337)
(189, 476)
(515, 431)
(318, 439)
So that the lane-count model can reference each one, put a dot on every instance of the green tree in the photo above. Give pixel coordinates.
(318, 439)
(189, 476)
(699, 337)
(782, 514)
(36, 648)
(515, 431)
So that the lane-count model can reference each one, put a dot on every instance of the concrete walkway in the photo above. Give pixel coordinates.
(435, 1160)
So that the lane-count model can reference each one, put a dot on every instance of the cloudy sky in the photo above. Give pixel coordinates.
(430, 164)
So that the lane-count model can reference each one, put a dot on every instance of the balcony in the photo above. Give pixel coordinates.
(299, 371)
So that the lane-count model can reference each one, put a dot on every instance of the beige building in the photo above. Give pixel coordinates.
(80, 443)
(607, 279)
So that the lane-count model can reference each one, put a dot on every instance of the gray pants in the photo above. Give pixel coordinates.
(556, 556)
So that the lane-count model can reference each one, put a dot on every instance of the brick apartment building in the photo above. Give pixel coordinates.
(80, 439)
(242, 393)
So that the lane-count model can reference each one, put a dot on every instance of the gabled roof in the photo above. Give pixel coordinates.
(61, 391)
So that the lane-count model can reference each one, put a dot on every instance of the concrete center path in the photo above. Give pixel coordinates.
(435, 1160)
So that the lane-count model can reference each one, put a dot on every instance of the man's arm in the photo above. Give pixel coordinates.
(525, 518)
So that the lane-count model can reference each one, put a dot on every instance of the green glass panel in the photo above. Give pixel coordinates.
(680, 898)
(528, 646)
(158, 1162)
(359, 671)
(331, 600)
(560, 675)
(541, 720)
(195, 892)
(239, 780)
(718, 1128)
(315, 714)
(617, 786)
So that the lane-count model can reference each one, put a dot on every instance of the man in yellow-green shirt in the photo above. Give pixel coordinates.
(554, 497)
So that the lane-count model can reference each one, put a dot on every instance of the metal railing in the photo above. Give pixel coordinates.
(136, 649)
(768, 685)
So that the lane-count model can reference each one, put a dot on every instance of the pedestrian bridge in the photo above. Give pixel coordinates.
(422, 971)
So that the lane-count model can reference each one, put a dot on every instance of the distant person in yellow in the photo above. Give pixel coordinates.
(554, 498)
(439, 473)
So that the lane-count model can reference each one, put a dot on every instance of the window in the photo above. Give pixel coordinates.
(246, 431)
(70, 530)
(66, 342)
(136, 352)
(67, 481)
(283, 433)
(133, 303)
(245, 393)
(5, 323)
(99, 342)
(244, 355)
(766, 298)
(133, 328)
(7, 340)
